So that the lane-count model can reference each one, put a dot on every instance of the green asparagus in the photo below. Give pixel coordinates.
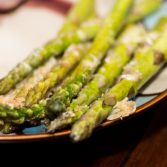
(143, 8)
(54, 48)
(53, 105)
(15, 119)
(17, 96)
(83, 73)
(70, 59)
(25, 86)
(106, 75)
(82, 10)
(138, 7)
(15, 116)
(88, 29)
(20, 115)
(147, 62)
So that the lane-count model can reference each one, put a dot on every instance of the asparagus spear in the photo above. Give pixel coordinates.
(147, 62)
(110, 29)
(56, 105)
(42, 107)
(70, 59)
(87, 31)
(87, 67)
(12, 119)
(55, 47)
(25, 86)
(45, 78)
(113, 64)
(143, 8)
(82, 10)
(9, 113)
(20, 115)
(16, 97)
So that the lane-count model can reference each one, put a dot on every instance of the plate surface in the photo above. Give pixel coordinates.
(37, 21)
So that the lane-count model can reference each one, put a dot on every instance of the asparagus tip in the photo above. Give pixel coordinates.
(54, 108)
(75, 137)
(54, 125)
(78, 132)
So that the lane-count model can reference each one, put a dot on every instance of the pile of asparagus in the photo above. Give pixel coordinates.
(92, 64)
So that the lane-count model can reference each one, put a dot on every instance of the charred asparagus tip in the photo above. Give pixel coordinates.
(55, 108)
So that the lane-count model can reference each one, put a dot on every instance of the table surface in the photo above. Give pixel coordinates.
(138, 142)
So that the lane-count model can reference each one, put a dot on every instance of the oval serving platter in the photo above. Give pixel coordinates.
(35, 22)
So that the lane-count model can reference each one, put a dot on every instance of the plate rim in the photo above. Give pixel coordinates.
(65, 133)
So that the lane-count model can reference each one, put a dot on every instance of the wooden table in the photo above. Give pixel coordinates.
(138, 142)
